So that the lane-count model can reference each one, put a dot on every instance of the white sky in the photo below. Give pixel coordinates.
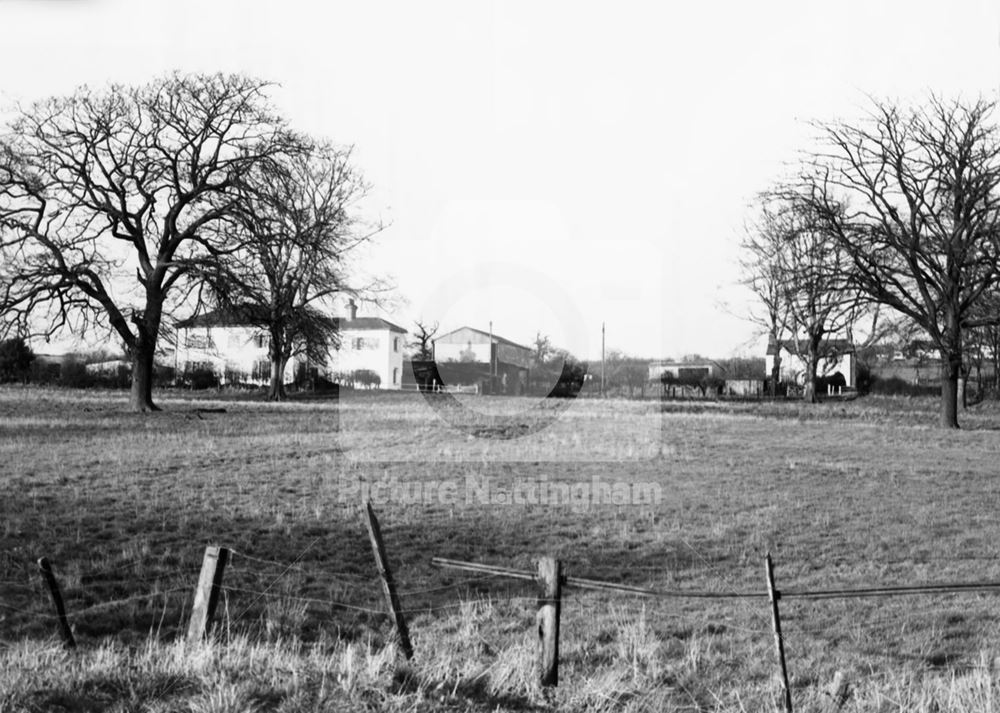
(544, 165)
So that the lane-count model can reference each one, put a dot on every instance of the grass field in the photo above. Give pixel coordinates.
(848, 494)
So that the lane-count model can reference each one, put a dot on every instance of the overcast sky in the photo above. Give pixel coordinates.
(548, 166)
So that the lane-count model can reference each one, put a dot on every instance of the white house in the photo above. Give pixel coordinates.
(836, 356)
(372, 344)
(238, 352)
(235, 351)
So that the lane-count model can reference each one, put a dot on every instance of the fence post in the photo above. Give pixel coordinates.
(549, 604)
(206, 596)
(840, 691)
(57, 601)
(388, 585)
(773, 596)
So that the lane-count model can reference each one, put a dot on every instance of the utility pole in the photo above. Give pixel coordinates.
(602, 359)
(491, 349)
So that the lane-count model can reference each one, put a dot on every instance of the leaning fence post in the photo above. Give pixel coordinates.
(57, 601)
(206, 596)
(549, 604)
(388, 585)
(840, 691)
(773, 596)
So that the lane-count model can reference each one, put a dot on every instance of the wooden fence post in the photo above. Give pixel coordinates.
(206, 596)
(57, 601)
(388, 585)
(840, 691)
(549, 603)
(773, 596)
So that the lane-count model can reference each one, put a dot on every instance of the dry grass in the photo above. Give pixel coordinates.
(842, 494)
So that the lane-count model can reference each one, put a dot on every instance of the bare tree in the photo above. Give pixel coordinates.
(983, 342)
(762, 270)
(819, 300)
(423, 340)
(295, 228)
(107, 200)
(911, 196)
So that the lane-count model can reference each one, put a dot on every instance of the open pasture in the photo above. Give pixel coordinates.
(851, 494)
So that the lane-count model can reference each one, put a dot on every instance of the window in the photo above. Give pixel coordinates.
(198, 341)
(395, 374)
(261, 341)
(395, 348)
(261, 370)
(362, 343)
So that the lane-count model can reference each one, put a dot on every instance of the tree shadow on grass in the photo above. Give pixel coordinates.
(106, 691)
(461, 692)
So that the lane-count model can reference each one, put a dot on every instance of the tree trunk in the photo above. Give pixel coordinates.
(951, 366)
(809, 388)
(996, 365)
(277, 390)
(141, 397)
(775, 375)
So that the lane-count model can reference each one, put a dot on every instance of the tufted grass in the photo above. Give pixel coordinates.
(842, 494)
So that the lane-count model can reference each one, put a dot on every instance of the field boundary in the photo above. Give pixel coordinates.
(211, 588)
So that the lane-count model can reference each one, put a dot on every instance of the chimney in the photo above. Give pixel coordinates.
(352, 310)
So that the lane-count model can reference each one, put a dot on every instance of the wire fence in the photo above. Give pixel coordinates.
(296, 596)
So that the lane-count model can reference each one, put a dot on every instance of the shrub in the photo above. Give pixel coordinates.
(163, 375)
(44, 372)
(73, 374)
(201, 378)
(895, 386)
(15, 360)
(864, 375)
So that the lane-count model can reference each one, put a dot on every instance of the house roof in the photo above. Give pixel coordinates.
(827, 346)
(370, 323)
(496, 337)
(243, 317)
(246, 316)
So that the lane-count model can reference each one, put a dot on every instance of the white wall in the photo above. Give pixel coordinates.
(793, 368)
(379, 350)
(227, 348)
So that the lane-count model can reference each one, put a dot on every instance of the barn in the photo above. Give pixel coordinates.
(487, 361)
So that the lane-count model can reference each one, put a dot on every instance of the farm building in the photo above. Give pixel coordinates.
(684, 378)
(690, 372)
(837, 356)
(237, 352)
(491, 363)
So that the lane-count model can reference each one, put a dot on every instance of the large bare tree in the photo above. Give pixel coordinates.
(911, 195)
(296, 226)
(107, 200)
